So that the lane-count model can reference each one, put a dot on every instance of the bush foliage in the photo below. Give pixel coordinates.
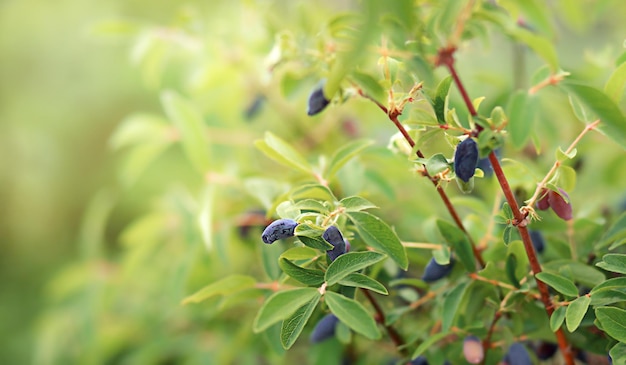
(348, 116)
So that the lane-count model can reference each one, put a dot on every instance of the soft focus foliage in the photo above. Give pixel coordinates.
(146, 146)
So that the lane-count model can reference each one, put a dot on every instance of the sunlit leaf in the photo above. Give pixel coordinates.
(350, 262)
(379, 235)
(576, 311)
(292, 326)
(281, 305)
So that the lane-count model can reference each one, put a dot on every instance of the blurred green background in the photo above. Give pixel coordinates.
(64, 89)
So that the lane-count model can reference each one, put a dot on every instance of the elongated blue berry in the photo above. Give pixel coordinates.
(434, 271)
(473, 350)
(333, 236)
(420, 360)
(517, 355)
(466, 159)
(538, 242)
(278, 229)
(317, 100)
(324, 329)
(558, 204)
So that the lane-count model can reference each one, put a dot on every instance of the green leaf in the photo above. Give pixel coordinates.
(292, 326)
(356, 203)
(363, 281)
(311, 204)
(618, 354)
(613, 123)
(540, 45)
(299, 253)
(315, 242)
(191, 127)
(305, 276)
(459, 242)
(558, 283)
(615, 234)
(345, 154)
(451, 304)
(436, 163)
(440, 101)
(350, 262)
(521, 112)
(614, 87)
(378, 234)
(576, 311)
(613, 322)
(566, 178)
(613, 262)
(228, 285)
(557, 318)
(282, 152)
(139, 129)
(282, 305)
(353, 314)
(511, 266)
(428, 343)
(370, 86)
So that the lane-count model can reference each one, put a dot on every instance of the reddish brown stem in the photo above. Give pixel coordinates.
(380, 318)
(393, 116)
(446, 58)
(487, 340)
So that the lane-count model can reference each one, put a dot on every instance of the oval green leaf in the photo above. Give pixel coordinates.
(349, 263)
(459, 242)
(613, 322)
(305, 276)
(379, 235)
(353, 314)
(282, 152)
(558, 283)
(359, 280)
(576, 311)
(292, 326)
(282, 305)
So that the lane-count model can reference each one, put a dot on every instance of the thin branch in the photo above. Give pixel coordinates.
(446, 58)
(380, 318)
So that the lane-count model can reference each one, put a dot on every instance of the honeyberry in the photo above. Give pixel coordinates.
(435, 271)
(538, 242)
(333, 236)
(420, 360)
(317, 100)
(543, 203)
(517, 355)
(466, 159)
(324, 329)
(545, 350)
(559, 205)
(278, 229)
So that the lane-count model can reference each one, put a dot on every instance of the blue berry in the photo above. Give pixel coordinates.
(324, 329)
(420, 360)
(333, 236)
(317, 100)
(517, 355)
(466, 159)
(278, 229)
(538, 242)
(434, 271)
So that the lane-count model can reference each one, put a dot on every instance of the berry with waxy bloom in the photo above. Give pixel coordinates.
(435, 271)
(317, 100)
(324, 329)
(278, 229)
(466, 159)
(538, 242)
(333, 236)
(517, 355)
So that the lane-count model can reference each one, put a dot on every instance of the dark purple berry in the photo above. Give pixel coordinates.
(545, 350)
(434, 271)
(558, 204)
(324, 329)
(420, 360)
(317, 100)
(466, 159)
(333, 236)
(538, 242)
(473, 350)
(543, 203)
(278, 229)
(517, 355)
